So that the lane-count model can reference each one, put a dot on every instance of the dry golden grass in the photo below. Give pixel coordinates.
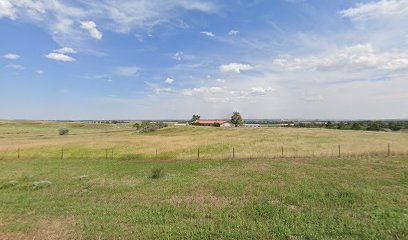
(86, 140)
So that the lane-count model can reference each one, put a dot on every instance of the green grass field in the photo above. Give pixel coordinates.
(43, 197)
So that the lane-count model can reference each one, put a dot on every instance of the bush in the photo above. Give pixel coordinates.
(63, 131)
(157, 172)
(151, 127)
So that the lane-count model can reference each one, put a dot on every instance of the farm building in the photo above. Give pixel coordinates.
(213, 123)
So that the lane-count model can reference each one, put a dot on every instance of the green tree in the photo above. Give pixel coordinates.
(341, 125)
(394, 126)
(356, 126)
(236, 119)
(329, 124)
(195, 118)
(374, 127)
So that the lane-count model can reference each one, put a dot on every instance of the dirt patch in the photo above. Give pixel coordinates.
(49, 229)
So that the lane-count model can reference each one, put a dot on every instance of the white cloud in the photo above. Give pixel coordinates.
(187, 92)
(65, 50)
(312, 97)
(349, 58)
(375, 9)
(202, 90)
(39, 71)
(91, 27)
(15, 66)
(219, 80)
(208, 90)
(60, 57)
(162, 90)
(127, 71)
(208, 34)
(178, 56)
(7, 10)
(235, 68)
(169, 80)
(11, 56)
(64, 19)
(233, 32)
(260, 91)
(222, 95)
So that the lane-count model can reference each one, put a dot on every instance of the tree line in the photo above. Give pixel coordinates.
(356, 125)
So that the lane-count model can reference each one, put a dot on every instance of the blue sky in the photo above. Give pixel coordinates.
(170, 59)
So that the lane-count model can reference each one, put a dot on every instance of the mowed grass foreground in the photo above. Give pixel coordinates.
(40, 140)
(234, 199)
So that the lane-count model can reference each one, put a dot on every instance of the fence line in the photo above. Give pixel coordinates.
(110, 153)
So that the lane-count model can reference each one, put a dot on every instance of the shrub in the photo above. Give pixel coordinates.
(157, 172)
(152, 127)
(63, 131)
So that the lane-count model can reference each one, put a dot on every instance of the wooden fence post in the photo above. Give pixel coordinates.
(198, 153)
(18, 153)
(233, 153)
(282, 152)
(106, 154)
(389, 149)
(339, 150)
(62, 153)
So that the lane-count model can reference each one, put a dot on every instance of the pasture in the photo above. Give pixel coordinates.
(85, 196)
(40, 140)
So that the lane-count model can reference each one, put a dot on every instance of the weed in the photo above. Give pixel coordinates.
(157, 172)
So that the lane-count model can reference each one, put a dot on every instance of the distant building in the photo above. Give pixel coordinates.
(222, 123)
(252, 125)
(181, 124)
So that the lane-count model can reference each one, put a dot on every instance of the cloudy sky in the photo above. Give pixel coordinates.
(167, 59)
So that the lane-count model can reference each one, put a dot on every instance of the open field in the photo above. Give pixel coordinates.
(209, 199)
(40, 140)
(362, 195)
